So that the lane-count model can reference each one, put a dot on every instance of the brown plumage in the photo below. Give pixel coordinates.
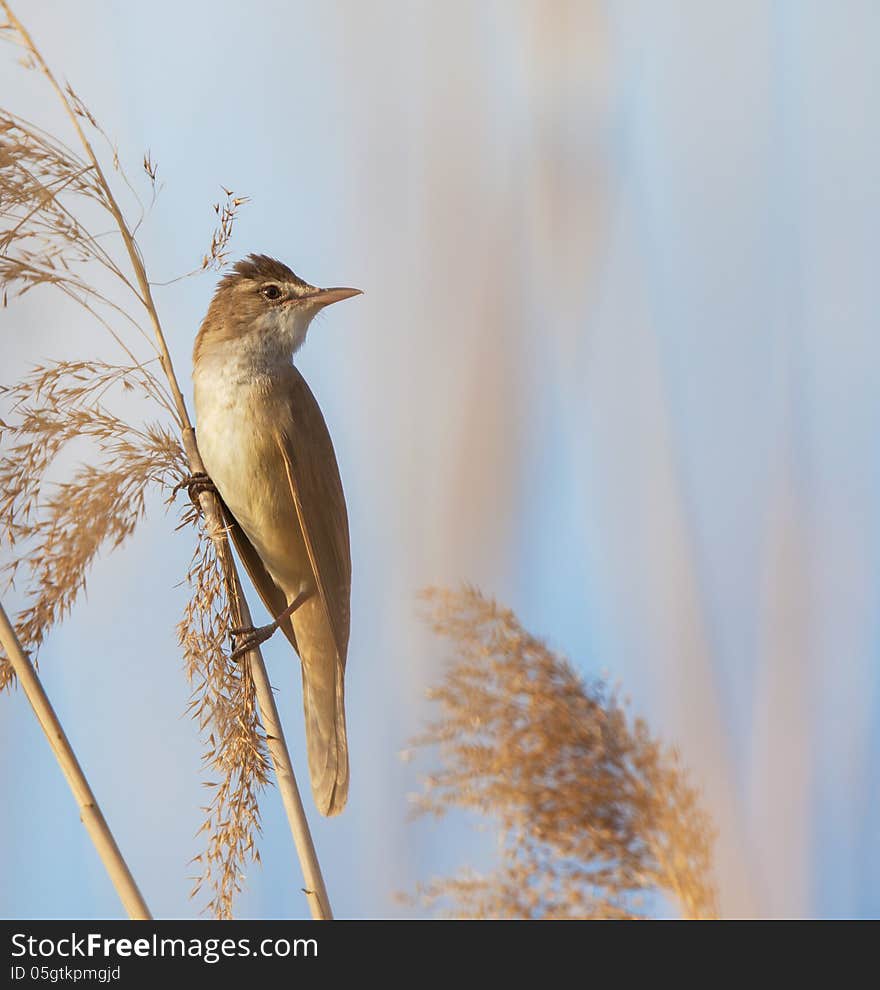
(320, 624)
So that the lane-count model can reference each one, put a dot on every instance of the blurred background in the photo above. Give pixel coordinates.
(617, 364)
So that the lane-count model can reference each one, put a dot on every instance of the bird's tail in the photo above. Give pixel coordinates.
(326, 742)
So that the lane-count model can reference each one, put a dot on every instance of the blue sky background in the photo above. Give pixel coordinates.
(617, 363)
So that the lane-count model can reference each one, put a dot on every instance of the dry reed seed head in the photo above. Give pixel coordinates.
(60, 402)
(150, 167)
(592, 813)
(46, 193)
(224, 705)
(227, 213)
(52, 534)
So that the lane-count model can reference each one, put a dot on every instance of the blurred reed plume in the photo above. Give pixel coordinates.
(55, 207)
(593, 814)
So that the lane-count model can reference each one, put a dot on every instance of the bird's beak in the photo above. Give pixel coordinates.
(323, 297)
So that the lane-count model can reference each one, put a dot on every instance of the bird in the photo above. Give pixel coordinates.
(268, 454)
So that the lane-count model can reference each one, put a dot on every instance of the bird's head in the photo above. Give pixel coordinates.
(264, 306)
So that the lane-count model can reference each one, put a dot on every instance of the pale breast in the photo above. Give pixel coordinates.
(235, 428)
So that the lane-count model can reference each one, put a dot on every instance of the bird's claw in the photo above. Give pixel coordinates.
(195, 484)
(247, 638)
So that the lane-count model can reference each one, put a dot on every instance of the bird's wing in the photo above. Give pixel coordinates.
(316, 487)
(273, 597)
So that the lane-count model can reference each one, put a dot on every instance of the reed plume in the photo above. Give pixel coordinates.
(63, 226)
(224, 704)
(594, 816)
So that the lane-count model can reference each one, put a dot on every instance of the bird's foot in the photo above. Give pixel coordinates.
(247, 638)
(253, 636)
(195, 484)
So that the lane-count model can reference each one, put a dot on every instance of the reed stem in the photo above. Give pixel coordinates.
(90, 813)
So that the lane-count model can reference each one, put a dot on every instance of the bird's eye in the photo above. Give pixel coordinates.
(271, 292)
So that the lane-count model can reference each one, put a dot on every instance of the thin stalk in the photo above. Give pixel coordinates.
(316, 892)
(90, 813)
